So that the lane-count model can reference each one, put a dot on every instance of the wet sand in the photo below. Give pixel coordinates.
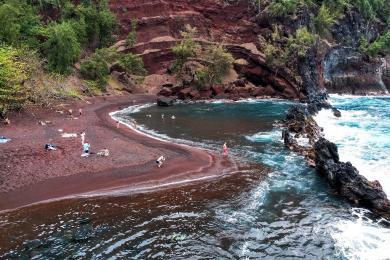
(30, 174)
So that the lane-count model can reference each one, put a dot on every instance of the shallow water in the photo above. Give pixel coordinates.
(289, 213)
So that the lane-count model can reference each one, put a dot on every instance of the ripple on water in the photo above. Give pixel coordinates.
(288, 213)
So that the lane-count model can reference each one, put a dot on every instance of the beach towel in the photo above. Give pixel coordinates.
(69, 135)
(4, 140)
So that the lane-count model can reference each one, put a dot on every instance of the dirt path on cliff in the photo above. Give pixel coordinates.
(30, 174)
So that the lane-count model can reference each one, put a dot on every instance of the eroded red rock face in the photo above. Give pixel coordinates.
(214, 19)
(159, 23)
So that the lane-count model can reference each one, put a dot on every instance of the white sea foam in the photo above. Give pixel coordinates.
(265, 137)
(361, 141)
(361, 135)
(362, 238)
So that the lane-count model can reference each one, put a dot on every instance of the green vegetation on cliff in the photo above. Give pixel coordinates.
(299, 25)
(14, 71)
(217, 61)
(55, 33)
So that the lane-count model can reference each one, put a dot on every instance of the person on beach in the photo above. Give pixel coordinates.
(7, 121)
(50, 147)
(70, 112)
(86, 147)
(82, 135)
(225, 150)
(160, 160)
(80, 111)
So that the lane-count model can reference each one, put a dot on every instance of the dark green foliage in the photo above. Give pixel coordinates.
(95, 68)
(100, 24)
(62, 47)
(281, 8)
(13, 72)
(279, 55)
(18, 22)
(133, 64)
(324, 20)
(382, 44)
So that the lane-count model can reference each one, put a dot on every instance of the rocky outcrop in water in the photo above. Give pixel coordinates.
(322, 154)
(346, 180)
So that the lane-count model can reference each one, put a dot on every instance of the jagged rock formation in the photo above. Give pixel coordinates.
(346, 180)
(323, 155)
(348, 71)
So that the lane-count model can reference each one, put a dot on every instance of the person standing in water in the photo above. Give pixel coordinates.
(225, 150)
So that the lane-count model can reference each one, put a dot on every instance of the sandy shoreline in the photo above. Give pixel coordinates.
(29, 174)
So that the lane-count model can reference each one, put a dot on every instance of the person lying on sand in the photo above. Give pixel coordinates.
(160, 160)
(50, 147)
(104, 153)
(7, 121)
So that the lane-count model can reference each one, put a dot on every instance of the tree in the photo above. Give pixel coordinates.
(186, 49)
(219, 63)
(18, 21)
(100, 24)
(301, 43)
(62, 47)
(14, 71)
(95, 68)
(133, 64)
(381, 44)
(324, 20)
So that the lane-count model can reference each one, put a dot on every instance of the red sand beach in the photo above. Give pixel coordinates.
(30, 174)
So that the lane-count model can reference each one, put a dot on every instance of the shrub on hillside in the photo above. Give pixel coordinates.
(62, 47)
(186, 49)
(14, 70)
(219, 63)
(100, 24)
(382, 44)
(324, 20)
(132, 64)
(95, 68)
(18, 21)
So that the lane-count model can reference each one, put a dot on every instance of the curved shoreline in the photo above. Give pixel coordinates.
(187, 164)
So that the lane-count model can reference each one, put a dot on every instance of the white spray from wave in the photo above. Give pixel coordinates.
(360, 143)
(362, 139)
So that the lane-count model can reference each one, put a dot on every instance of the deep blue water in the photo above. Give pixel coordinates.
(288, 213)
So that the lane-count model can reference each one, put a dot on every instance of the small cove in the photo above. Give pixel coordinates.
(289, 213)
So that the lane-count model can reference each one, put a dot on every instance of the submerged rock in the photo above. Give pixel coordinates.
(33, 244)
(165, 101)
(84, 232)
